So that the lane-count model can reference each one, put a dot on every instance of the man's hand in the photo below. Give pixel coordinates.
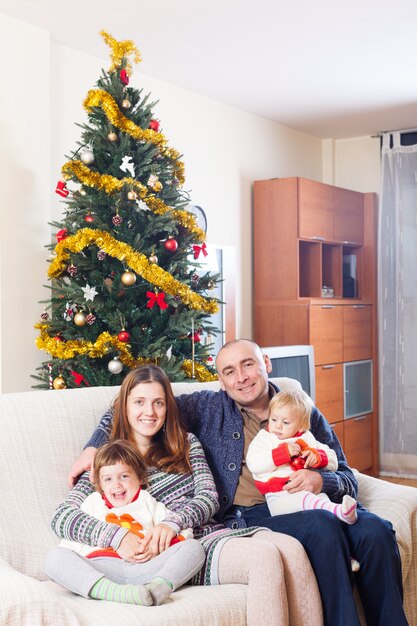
(130, 547)
(304, 480)
(158, 539)
(82, 464)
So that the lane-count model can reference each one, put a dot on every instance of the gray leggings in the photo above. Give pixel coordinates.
(177, 564)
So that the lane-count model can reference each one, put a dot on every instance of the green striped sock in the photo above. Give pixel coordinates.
(106, 589)
(160, 589)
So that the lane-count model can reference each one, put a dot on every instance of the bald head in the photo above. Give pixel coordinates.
(243, 372)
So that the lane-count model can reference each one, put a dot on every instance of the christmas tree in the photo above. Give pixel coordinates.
(127, 286)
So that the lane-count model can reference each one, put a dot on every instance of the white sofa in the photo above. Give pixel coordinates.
(41, 434)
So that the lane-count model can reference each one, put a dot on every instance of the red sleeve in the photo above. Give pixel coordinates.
(280, 455)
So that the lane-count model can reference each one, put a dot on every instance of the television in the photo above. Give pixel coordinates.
(294, 362)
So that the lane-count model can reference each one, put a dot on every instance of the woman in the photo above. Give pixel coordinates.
(272, 565)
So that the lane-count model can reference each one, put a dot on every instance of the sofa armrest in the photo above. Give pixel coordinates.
(398, 504)
(28, 602)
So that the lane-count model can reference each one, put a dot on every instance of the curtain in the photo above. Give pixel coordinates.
(397, 281)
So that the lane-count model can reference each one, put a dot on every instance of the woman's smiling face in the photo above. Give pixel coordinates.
(146, 411)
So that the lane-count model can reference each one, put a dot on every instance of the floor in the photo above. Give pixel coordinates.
(410, 482)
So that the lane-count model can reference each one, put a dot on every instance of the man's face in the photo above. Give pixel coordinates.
(243, 372)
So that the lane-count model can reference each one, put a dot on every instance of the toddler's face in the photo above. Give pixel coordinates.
(283, 423)
(119, 483)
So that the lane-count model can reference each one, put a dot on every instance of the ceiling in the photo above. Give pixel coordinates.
(330, 68)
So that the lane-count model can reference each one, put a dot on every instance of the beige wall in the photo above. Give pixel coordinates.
(353, 163)
(224, 150)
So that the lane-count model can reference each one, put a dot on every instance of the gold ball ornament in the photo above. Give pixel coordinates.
(59, 383)
(79, 319)
(132, 195)
(128, 279)
(211, 284)
(112, 137)
(126, 104)
(153, 258)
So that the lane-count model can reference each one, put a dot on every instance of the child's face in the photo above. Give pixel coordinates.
(283, 423)
(119, 483)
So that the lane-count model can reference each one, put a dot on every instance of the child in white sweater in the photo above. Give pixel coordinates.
(286, 446)
(120, 499)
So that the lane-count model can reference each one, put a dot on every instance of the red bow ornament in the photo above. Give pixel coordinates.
(156, 298)
(61, 234)
(61, 188)
(198, 249)
(79, 378)
(124, 77)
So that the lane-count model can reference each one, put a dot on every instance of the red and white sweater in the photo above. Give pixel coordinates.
(269, 461)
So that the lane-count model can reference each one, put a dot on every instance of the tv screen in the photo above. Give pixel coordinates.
(293, 362)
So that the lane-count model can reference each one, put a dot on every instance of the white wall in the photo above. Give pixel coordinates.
(24, 213)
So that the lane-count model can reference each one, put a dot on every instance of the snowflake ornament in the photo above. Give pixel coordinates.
(89, 292)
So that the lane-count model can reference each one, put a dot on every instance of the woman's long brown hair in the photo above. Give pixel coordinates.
(170, 449)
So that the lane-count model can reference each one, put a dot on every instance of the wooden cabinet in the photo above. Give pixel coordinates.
(329, 391)
(308, 236)
(357, 332)
(315, 210)
(358, 442)
(326, 333)
(327, 213)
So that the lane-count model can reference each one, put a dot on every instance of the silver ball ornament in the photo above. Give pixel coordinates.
(87, 157)
(115, 366)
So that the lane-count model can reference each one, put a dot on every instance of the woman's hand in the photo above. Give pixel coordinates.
(131, 546)
(84, 463)
(158, 539)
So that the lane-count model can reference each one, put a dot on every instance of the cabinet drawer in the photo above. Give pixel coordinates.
(329, 391)
(357, 332)
(326, 333)
(339, 431)
(315, 210)
(358, 442)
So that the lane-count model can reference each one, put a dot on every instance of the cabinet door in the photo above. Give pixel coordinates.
(329, 391)
(326, 333)
(348, 216)
(357, 332)
(339, 430)
(358, 442)
(315, 210)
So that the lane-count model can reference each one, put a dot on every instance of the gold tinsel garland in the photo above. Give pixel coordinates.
(137, 261)
(69, 349)
(121, 49)
(110, 184)
(102, 99)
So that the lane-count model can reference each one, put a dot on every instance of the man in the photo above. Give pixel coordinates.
(226, 422)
